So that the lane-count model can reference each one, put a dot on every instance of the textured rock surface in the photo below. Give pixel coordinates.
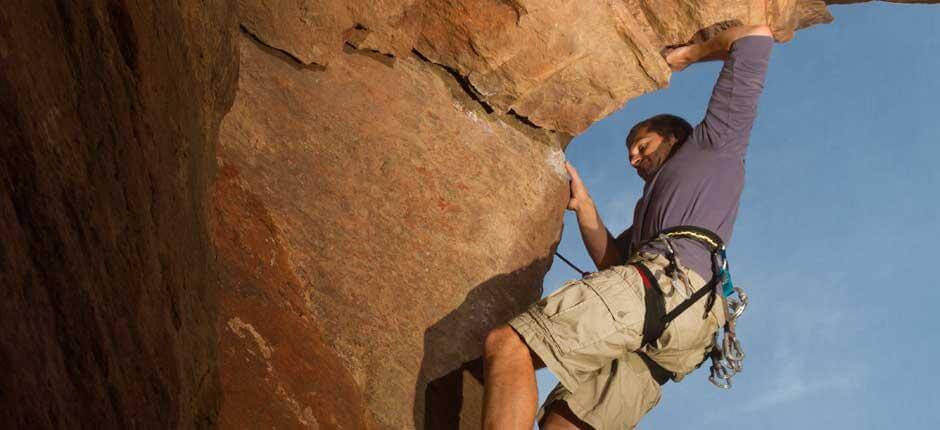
(561, 64)
(388, 186)
(109, 115)
(393, 173)
(409, 218)
(277, 368)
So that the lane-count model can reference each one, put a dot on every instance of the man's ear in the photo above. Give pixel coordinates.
(670, 139)
(673, 143)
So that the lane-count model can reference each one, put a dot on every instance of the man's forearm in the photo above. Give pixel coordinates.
(598, 241)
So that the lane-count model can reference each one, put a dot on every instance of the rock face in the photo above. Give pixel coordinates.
(109, 116)
(404, 219)
(561, 64)
(392, 186)
(387, 185)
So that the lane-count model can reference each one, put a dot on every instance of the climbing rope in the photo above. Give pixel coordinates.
(576, 269)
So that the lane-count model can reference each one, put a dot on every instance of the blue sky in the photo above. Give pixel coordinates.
(836, 240)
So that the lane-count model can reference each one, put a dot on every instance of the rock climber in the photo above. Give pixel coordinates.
(590, 333)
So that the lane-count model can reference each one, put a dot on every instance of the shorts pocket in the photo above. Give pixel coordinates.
(567, 297)
(626, 307)
(601, 311)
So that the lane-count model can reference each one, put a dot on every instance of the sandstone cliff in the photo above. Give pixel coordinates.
(387, 185)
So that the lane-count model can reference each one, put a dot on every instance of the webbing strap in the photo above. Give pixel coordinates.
(659, 373)
(656, 318)
(706, 237)
(653, 326)
(653, 322)
(696, 296)
(703, 235)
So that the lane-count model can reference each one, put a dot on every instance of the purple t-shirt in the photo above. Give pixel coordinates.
(701, 183)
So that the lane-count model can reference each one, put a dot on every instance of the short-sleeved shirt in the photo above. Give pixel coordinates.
(701, 183)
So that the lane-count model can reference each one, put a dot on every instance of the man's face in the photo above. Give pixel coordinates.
(648, 152)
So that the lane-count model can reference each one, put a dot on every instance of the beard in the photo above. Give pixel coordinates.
(646, 171)
(648, 168)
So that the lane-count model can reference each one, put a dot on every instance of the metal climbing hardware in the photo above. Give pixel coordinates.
(728, 355)
(729, 359)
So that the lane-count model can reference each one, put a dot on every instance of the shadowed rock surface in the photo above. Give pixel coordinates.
(108, 123)
(387, 185)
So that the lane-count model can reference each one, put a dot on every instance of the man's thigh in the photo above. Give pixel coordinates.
(558, 416)
(585, 324)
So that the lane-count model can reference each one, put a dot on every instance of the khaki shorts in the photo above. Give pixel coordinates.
(588, 331)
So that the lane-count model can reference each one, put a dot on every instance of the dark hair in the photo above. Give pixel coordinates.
(664, 125)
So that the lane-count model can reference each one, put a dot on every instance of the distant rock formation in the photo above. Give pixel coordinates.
(386, 186)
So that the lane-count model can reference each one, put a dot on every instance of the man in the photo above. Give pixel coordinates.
(590, 333)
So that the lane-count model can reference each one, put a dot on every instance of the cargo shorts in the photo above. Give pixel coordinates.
(589, 331)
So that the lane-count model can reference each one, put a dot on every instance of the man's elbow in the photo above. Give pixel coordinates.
(611, 257)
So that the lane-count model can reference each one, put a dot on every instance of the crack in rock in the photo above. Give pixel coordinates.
(283, 54)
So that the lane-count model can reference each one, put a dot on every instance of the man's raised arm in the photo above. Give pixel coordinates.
(733, 105)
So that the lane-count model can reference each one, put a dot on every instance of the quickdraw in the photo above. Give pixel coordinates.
(729, 360)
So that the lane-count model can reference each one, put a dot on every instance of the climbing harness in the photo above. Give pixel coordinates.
(727, 356)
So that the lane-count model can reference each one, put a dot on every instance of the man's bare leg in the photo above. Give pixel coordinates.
(510, 392)
(559, 417)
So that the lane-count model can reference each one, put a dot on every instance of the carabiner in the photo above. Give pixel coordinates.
(731, 348)
(719, 376)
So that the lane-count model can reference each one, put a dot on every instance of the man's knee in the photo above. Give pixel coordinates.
(503, 340)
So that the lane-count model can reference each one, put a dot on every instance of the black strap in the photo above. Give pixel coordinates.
(708, 288)
(653, 322)
(653, 325)
(713, 242)
(656, 318)
(659, 373)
